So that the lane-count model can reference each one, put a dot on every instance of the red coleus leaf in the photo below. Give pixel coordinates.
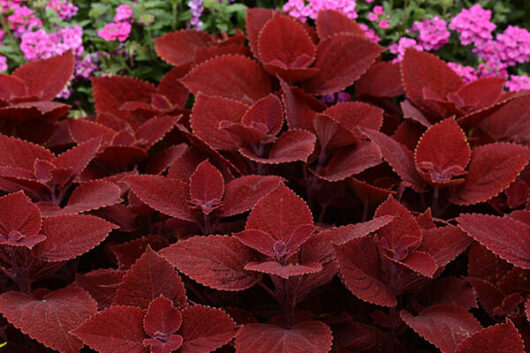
(383, 79)
(162, 316)
(341, 59)
(399, 157)
(444, 243)
(83, 130)
(21, 154)
(510, 121)
(118, 329)
(112, 91)
(230, 76)
(304, 337)
(206, 187)
(254, 22)
(492, 169)
(46, 78)
(127, 253)
(284, 271)
(178, 48)
(265, 115)
(287, 56)
(150, 277)
(478, 94)
(205, 121)
(330, 22)
(214, 261)
(504, 236)
(172, 89)
(205, 329)
(101, 284)
(300, 107)
(361, 273)
(241, 194)
(279, 213)
(445, 326)
(165, 195)
(354, 115)
(70, 236)
(291, 146)
(153, 130)
(77, 158)
(12, 87)
(442, 154)
(403, 234)
(91, 196)
(449, 290)
(501, 338)
(330, 133)
(423, 71)
(20, 221)
(50, 319)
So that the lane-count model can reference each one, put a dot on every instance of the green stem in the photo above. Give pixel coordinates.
(174, 20)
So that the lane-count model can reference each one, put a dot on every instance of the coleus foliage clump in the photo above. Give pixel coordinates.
(256, 218)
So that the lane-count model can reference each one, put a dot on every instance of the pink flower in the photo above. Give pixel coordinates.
(369, 1)
(369, 33)
(517, 83)
(399, 47)
(432, 33)
(378, 9)
(467, 73)
(115, 31)
(301, 11)
(65, 10)
(3, 63)
(124, 12)
(383, 24)
(473, 25)
(372, 17)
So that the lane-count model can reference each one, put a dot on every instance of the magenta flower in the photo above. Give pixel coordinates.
(432, 33)
(3, 63)
(115, 31)
(124, 12)
(383, 24)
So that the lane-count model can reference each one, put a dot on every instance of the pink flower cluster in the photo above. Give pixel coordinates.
(302, 10)
(432, 33)
(121, 28)
(466, 72)
(403, 43)
(196, 13)
(3, 63)
(40, 44)
(378, 14)
(22, 20)
(473, 25)
(517, 83)
(65, 9)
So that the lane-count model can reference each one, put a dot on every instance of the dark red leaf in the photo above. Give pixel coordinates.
(445, 326)
(265, 115)
(166, 195)
(206, 187)
(241, 194)
(300, 107)
(399, 158)
(293, 145)
(205, 120)
(341, 59)
(67, 237)
(230, 76)
(279, 213)
(402, 234)
(304, 337)
(383, 79)
(478, 94)
(284, 271)
(172, 89)
(20, 221)
(154, 130)
(21, 154)
(162, 317)
(150, 277)
(178, 48)
(354, 115)
(127, 253)
(83, 130)
(449, 290)
(444, 243)
(255, 20)
(118, 329)
(361, 272)
(12, 87)
(442, 153)
(283, 55)
(330, 22)
(77, 158)
(420, 71)
(504, 236)
(101, 284)
(46, 78)
(214, 261)
(492, 169)
(501, 338)
(205, 329)
(112, 91)
(49, 320)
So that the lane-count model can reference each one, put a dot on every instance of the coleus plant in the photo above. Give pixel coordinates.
(295, 225)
